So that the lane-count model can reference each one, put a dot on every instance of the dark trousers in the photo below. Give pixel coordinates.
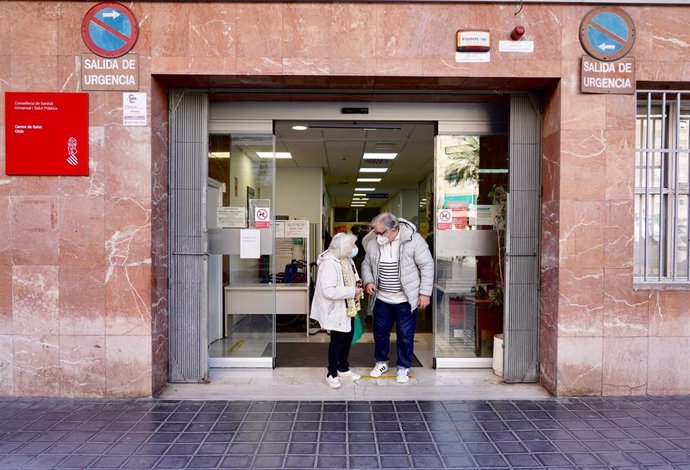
(339, 350)
(405, 322)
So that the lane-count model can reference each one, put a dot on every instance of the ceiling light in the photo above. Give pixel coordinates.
(368, 180)
(219, 155)
(493, 170)
(365, 189)
(300, 127)
(379, 156)
(281, 155)
(373, 170)
(357, 204)
(359, 194)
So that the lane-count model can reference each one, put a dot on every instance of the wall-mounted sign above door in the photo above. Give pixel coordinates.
(607, 33)
(109, 29)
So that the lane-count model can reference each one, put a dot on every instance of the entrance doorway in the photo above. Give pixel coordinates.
(282, 178)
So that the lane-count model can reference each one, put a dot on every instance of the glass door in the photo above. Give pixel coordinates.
(471, 179)
(241, 221)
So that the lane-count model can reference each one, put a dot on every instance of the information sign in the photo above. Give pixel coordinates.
(47, 133)
(105, 74)
(608, 77)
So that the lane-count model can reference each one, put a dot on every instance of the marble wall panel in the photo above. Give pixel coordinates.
(620, 164)
(127, 232)
(34, 29)
(35, 300)
(259, 33)
(34, 222)
(625, 310)
(620, 112)
(82, 366)
(6, 245)
(6, 365)
(309, 66)
(128, 301)
(580, 111)
(33, 72)
(307, 30)
(550, 246)
(582, 234)
(668, 313)
(583, 164)
(128, 366)
(81, 238)
(551, 166)
(625, 366)
(551, 117)
(580, 366)
(401, 40)
(643, 17)
(80, 313)
(36, 365)
(548, 328)
(670, 35)
(68, 26)
(352, 36)
(128, 162)
(571, 17)
(34, 185)
(668, 365)
(618, 232)
(171, 29)
(105, 109)
(212, 32)
(5, 300)
(69, 73)
(580, 302)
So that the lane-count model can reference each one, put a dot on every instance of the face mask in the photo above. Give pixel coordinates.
(382, 239)
(354, 252)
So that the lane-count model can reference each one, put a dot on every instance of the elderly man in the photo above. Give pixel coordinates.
(399, 271)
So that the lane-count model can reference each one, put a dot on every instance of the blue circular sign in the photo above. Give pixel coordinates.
(607, 33)
(109, 29)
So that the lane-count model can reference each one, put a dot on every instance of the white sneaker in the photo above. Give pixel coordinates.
(379, 369)
(333, 382)
(402, 377)
(349, 375)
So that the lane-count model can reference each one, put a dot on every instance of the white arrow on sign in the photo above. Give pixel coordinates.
(111, 14)
(604, 47)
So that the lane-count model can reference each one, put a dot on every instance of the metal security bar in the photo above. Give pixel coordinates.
(662, 173)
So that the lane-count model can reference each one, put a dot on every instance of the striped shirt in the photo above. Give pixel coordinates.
(389, 276)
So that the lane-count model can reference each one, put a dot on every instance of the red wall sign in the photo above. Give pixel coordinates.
(47, 133)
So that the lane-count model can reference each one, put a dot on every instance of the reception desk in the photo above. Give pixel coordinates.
(257, 299)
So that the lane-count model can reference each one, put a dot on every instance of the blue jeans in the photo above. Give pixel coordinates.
(405, 322)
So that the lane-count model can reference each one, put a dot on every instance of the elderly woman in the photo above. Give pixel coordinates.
(336, 303)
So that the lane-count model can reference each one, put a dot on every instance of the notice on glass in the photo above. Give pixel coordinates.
(296, 228)
(280, 229)
(231, 217)
(250, 243)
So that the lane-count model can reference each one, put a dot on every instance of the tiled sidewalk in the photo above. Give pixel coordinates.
(650, 433)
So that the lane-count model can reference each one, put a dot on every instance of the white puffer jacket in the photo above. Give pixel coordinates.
(328, 306)
(416, 263)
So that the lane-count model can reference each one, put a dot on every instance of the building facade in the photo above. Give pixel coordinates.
(84, 260)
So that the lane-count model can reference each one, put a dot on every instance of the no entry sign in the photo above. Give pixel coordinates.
(109, 29)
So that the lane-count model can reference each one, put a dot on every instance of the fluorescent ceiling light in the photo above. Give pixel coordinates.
(300, 127)
(359, 195)
(219, 155)
(373, 170)
(365, 189)
(283, 155)
(368, 180)
(493, 170)
(379, 156)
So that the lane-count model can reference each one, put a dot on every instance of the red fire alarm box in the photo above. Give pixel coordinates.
(47, 133)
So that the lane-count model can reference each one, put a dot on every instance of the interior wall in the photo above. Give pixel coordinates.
(299, 193)
(410, 205)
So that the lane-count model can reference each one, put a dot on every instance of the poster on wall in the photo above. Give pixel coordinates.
(47, 134)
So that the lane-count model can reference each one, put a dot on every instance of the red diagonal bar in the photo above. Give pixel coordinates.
(110, 29)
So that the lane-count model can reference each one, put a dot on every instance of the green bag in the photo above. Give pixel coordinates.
(359, 331)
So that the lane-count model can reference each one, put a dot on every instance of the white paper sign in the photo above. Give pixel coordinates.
(231, 217)
(133, 109)
(516, 46)
(250, 243)
(280, 229)
(473, 57)
(296, 228)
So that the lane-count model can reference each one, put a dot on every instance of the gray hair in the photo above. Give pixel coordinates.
(341, 244)
(387, 219)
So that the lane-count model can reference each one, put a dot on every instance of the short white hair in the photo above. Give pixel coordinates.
(341, 244)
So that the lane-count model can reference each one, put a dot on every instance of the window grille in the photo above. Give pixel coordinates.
(662, 172)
